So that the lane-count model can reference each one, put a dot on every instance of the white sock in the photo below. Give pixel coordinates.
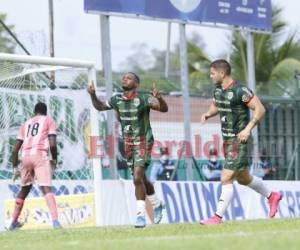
(140, 207)
(258, 185)
(224, 200)
(155, 202)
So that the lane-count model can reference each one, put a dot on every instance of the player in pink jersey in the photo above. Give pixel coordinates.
(35, 137)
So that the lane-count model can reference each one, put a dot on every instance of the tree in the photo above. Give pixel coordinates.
(198, 63)
(150, 65)
(276, 58)
(140, 60)
(7, 44)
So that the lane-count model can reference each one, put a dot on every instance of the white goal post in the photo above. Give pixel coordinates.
(52, 64)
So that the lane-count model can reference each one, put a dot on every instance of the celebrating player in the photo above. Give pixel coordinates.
(35, 137)
(133, 111)
(232, 102)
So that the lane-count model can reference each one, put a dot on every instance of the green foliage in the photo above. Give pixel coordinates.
(7, 44)
(80, 81)
(151, 65)
(277, 58)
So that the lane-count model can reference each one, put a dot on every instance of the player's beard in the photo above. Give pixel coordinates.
(218, 82)
(125, 88)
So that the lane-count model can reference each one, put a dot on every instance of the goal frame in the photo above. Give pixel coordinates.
(94, 130)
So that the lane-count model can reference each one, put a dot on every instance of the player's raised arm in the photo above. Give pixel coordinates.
(158, 103)
(99, 105)
(212, 111)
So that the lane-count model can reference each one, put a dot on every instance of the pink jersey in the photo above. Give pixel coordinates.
(34, 134)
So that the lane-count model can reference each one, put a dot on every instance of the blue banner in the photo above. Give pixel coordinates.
(254, 14)
(195, 201)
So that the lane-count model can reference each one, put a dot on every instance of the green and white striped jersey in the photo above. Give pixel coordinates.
(134, 117)
(231, 103)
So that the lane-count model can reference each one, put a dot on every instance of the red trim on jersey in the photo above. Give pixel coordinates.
(229, 85)
(130, 97)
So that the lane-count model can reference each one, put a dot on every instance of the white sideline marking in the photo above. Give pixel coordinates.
(206, 235)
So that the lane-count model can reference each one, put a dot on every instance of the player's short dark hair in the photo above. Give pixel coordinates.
(221, 64)
(40, 108)
(135, 76)
(213, 151)
(164, 151)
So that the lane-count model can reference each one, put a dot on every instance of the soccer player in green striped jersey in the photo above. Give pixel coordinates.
(133, 110)
(233, 101)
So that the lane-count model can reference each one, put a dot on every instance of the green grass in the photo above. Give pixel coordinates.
(260, 234)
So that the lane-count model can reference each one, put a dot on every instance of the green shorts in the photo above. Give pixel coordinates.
(138, 156)
(236, 155)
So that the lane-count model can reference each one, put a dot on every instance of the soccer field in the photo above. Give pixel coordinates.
(261, 234)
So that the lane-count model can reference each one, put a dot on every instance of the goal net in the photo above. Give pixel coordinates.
(61, 84)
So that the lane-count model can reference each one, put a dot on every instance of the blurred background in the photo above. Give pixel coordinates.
(61, 28)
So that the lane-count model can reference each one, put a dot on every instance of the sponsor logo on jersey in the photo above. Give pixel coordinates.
(225, 109)
(245, 98)
(128, 110)
(124, 118)
(217, 92)
(230, 95)
(136, 102)
(247, 94)
(248, 91)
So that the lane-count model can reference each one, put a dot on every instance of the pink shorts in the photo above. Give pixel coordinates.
(36, 167)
